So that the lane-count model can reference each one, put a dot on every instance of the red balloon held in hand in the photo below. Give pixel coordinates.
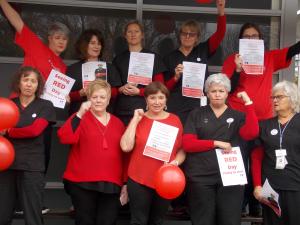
(9, 114)
(7, 153)
(169, 181)
(203, 1)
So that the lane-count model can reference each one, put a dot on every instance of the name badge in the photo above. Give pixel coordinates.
(281, 160)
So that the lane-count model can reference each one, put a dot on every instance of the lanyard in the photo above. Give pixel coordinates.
(282, 131)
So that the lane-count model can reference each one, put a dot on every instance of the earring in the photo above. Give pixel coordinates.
(166, 108)
(147, 108)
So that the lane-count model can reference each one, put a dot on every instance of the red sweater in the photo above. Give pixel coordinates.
(143, 168)
(95, 153)
(37, 54)
(257, 156)
(258, 87)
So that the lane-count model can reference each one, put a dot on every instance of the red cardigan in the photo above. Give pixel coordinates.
(95, 150)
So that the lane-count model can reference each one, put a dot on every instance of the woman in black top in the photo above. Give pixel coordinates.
(192, 51)
(25, 177)
(279, 159)
(131, 95)
(207, 128)
(89, 47)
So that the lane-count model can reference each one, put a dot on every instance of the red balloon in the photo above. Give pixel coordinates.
(203, 1)
(7, 153)
(9, 114)
(169, 181)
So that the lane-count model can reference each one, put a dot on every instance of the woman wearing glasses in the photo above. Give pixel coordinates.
(192, 51)
(258, 87)
(279, 160)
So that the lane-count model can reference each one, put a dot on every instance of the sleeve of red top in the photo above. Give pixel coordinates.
(157, 77)
(114, 92)
(75, 96)
(229, 66)
(191, 143)
(28, 40)
(170, 84)
(250, 128)
(257, 156)
(33, 130)
(216, 39)
(66, 134)
(279, 57)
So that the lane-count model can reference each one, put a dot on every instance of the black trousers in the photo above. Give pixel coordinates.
(28, 186)
(289, 202)
(146, 206)
(93, 207)
(215, 204)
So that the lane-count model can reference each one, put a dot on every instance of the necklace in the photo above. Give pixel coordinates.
(102, 130)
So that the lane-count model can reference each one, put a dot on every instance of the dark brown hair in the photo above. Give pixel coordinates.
(83, 41)
(250, 25)
(24, 72)
(154, 87)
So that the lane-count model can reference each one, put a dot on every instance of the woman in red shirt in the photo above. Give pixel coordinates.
(94, 174)
(146, 206)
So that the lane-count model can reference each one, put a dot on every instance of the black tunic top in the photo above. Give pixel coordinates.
(203, 166)
(125, 104)
(177, 102)
(30, 152)
(75, 71)
(289, 177)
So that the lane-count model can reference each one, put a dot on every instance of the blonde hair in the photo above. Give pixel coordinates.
(96, 85)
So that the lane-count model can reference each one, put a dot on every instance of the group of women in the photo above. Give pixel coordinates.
(107, 165)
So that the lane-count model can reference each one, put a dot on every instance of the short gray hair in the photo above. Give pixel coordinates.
(217, 78)
(58, 27)
(290, 89)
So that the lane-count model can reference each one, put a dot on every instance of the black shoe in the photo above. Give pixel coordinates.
(244, 212)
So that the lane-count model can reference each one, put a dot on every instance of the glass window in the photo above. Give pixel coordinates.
(38, 17)
(162, 29)
(253, 4)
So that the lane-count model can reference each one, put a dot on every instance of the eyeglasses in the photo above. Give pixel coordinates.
(278, 97)
(188, 34)
(253, 36)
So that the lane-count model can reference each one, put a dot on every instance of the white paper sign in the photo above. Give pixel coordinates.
(193, 79)
(252, 52)
(92, 71)
(161, 141)
(57, 87)
(140, 68)
(231, 167)
(272, 197)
